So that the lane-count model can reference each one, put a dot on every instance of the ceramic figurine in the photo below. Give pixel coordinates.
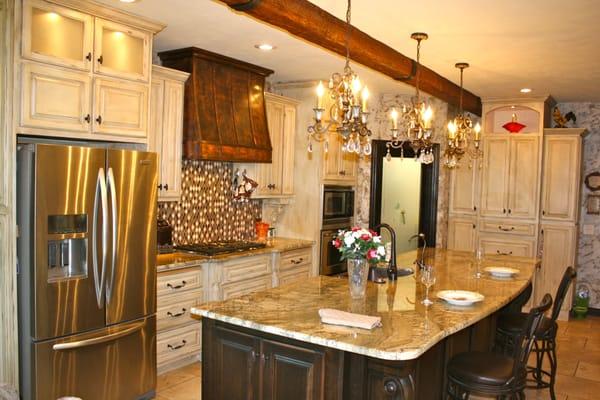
(561, 121)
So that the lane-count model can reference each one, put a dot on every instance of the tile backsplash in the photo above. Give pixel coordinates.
(206, 211)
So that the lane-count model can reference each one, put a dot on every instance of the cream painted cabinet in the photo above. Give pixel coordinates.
(507, 246)
(55, 98)
(339, 166)
(120, 108)
(463, 190)
(277, 178)
(121, 51)
(462, 233)
(57, 35)
(494, 182)
(165, 133)
(561, 176)
(523, 184)
(559, 246)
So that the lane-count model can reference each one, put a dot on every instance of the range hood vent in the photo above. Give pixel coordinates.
(224, 111)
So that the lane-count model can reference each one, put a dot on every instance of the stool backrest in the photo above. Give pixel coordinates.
(527, 338)
(561, 293)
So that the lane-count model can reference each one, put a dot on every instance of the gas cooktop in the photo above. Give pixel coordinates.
(214, 248)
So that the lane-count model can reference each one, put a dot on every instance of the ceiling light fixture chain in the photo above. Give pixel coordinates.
(415, 119)
(348, 113)
(463, 137)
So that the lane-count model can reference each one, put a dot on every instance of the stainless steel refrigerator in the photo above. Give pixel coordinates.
(86, 274)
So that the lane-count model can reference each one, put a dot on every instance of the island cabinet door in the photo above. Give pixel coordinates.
(292, 372)
(236, 359)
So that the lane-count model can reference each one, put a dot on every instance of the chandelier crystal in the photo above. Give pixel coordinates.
(348, 113)
(415, 120)
(463, 136)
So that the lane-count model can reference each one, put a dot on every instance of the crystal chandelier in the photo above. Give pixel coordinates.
(463, 136)
(415, 118)
(348, 113)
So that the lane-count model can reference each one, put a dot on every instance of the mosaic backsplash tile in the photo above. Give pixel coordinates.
(207, 211)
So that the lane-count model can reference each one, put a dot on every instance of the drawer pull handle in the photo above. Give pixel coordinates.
(503, 253)
(298, 261)
(175, 287)
(512, 228)
(178, 346)
(179, 314)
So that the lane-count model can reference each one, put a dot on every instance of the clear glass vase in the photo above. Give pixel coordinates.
(358, 270)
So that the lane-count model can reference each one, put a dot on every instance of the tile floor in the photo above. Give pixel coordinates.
(578, 368)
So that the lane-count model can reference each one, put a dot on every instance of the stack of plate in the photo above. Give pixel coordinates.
(460, 297)
(501, 272)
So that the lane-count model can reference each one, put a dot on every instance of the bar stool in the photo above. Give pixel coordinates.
(510, 326)
(495, 374)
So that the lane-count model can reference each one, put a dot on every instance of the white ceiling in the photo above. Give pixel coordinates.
(550, 46)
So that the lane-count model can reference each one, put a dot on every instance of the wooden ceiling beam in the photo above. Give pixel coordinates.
(305, 20)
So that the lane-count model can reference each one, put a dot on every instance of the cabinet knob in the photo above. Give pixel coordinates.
(166, 186)
(160, 186)
(87, 118)
(100, 60)
(543, 212)
(99, 120)
(509, 211)
(504, 211)
(253, 355)
(390, 386)
(474, 208)
(89, 57)
(265, 357)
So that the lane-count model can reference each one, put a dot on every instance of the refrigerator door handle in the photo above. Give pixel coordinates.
(112, 190)
(99, 276)
(100, 339)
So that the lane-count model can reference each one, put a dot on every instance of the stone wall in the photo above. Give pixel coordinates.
(588, 271)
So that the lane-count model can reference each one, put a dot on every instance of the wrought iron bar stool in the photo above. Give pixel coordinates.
(510, 326)
(494, 374)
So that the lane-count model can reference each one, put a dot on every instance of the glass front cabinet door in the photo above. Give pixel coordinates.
(57, 35)
(121, 51)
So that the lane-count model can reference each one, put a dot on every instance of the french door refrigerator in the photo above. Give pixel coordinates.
(86, 274)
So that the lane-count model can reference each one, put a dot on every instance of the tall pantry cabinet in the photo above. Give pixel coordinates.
(522, 198)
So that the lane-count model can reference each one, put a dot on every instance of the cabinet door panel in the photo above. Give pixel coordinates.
(292, 373)
(288, 137)
(495, 176)
(560, 188)
(331, 157)
(55, 98)
(121, 51)
(121, 108)
(461, 234)
(269, 175)
(172, 133)
(57, 35)
(155, 122)
(463, 189)
(523, 180)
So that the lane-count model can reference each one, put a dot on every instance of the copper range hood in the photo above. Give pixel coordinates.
(224, 111)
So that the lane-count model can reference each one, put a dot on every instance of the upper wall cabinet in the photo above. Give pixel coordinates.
(339, 166)
(464, 185)
(121, 51)
(165, 134)
(57, 35)
(84, 71)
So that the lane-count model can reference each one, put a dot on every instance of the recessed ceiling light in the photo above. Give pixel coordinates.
(526, 90)
(264, 46)
(129, 1)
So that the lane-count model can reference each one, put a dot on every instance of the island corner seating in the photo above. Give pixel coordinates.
(272, 343)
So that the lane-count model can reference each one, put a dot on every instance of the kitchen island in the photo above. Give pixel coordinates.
(272, 344)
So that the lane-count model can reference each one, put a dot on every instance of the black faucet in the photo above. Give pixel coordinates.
(420, 263)
(392, 267)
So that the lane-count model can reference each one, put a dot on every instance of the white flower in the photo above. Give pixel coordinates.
(356, 234)
(349, 240)
(376, 239)
(381, 251)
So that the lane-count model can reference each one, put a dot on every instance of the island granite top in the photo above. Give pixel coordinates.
(409, 328)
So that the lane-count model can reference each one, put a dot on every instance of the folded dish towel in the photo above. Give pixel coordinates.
(337, 317)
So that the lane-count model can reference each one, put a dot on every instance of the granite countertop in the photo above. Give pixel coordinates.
(409, 329)
(177, 260)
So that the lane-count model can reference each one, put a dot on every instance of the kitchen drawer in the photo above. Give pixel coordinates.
(170, 314)
(245, 268)
(293, 259)
(299, 274)
(245, 287)
(506, 227)
(507, 246)
(170, 283)
(178, 343)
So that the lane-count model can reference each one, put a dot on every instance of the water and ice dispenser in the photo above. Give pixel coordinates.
(67, 247)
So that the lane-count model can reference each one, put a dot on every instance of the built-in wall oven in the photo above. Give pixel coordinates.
(338, 212)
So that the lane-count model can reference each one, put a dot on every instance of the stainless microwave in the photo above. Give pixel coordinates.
(338, 203)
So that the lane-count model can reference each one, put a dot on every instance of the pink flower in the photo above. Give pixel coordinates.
(365, 236)
(337, 243)
(371, 254)
(356, 228)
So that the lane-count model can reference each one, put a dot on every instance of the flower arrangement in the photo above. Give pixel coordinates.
(359, 243)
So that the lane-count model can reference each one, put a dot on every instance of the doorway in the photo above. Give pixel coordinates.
(404, 194)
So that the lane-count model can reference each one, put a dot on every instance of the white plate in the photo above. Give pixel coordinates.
(502, 272)
(460, 297)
